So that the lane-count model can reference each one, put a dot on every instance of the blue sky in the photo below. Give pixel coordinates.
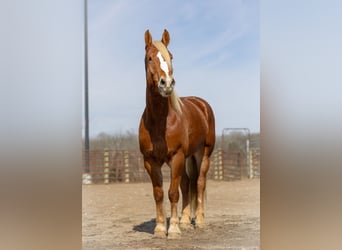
(215, 46)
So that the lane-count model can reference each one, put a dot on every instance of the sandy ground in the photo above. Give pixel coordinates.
(122, 216)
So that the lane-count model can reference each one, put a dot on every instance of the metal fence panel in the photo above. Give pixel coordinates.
(110, 166)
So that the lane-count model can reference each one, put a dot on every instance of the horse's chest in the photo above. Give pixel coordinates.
(162, 147)
(162, 142)
(166, 148)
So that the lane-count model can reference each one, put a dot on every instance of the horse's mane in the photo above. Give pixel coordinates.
(176, 102)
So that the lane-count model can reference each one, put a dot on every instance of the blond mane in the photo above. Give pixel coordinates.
(176, 102)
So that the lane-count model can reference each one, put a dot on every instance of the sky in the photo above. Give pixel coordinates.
(215, 47)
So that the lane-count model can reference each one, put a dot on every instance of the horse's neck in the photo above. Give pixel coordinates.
(157, 108)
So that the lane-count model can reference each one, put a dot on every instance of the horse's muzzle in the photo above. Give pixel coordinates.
(166, 92)
(166, 86)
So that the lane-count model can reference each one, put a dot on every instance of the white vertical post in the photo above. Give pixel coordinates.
(126, 163)
(251, 164)
(216, 156)
(86, 179)
(248, 159)
(220, 168)
(106, 165)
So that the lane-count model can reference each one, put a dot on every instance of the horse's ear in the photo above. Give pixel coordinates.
(166, 38)
(148, 38)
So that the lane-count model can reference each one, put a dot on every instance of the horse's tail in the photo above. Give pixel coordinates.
(192, 171)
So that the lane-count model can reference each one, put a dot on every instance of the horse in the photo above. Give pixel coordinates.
(179, 132)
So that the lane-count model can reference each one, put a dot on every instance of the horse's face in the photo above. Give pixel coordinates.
(158, 64)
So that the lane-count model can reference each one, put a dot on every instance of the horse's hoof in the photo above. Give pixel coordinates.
(199, 222)
(174, 236)
(186, 226)
(185, 220)
(159, 232)
(159, 235)
(174, 232)
(200, 225)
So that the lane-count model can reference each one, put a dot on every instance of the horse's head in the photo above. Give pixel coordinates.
(158, 64)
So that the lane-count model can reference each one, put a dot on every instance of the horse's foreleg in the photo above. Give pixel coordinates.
(154, 170)
(177, 168)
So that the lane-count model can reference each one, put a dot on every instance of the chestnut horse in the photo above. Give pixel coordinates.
(176, 131)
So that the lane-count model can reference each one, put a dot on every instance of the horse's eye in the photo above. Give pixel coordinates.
(150, 58)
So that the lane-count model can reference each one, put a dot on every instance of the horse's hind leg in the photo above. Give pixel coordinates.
(204, 163)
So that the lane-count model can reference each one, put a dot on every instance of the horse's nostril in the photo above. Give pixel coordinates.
(162, 82)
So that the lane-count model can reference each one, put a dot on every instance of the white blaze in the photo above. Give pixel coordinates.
(163, 64)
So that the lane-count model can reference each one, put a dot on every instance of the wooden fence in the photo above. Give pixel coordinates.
(108, 166)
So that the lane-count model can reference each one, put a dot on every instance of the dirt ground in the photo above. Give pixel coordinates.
(121, 216)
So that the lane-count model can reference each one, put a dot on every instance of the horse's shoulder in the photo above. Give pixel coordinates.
(144, 137)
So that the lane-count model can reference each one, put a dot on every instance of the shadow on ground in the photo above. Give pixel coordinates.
(146, 227)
